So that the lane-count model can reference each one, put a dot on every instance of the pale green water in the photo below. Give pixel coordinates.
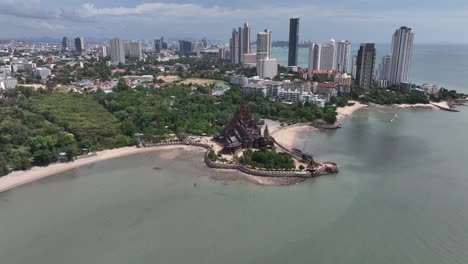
(400, 198)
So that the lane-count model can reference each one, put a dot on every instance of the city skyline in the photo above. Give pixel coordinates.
(143, 19)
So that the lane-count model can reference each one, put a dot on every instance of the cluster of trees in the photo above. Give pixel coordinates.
(28, 139)
(387, 97)
(446, 95)
(268, 159)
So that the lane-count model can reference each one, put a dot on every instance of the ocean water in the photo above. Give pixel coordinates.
(399, 198)
(437, 64)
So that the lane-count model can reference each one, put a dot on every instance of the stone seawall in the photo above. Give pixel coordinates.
(322, 169)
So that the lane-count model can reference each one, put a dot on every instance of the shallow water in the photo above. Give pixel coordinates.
(400, 198)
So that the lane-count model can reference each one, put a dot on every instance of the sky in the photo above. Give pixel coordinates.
(433, 21)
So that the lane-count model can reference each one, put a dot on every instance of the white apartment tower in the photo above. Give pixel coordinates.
(117, 51)
(327, 60)
(343, 52)
(315, 53)
(402, 51)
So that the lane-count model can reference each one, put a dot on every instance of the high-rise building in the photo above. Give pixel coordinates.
(105, 51)
(204, 42)
(383, 73)
(163, 43)
(365, 65)
(354, 67)
(402, 51)
(134, 49)
(117, 51)
(293, 41)
(343, 52)
(65, 44)
(234, 47)
(267, 67)
(79, 45)
(246, 39)
(327, 60)
(185, 46)
(157, 45)
(270, 42)
(240, 45)
(315, 51)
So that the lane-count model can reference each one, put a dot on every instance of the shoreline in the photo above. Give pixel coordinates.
(19, 178)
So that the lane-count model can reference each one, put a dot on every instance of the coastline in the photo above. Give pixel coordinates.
(346, 111)
(18, 178)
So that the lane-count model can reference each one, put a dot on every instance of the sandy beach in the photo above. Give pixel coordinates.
(19, 178)
(287, 136)
(346, 111)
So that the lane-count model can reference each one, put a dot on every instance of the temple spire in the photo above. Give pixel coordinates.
(266, 133)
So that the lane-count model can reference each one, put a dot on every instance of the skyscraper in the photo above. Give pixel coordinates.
(105, 51)
(384, 68)
(117, 51)
(241, 45)
(402, 51)
(267, 67)
(315, 51)
(65, 44)
(270, 42)
(327, 60)
(135, 50)
(365, 64)
(163, 43)
(354, 67)
(157, 45)
(205, 42)
(185, 46)
(246, 38)
(234, 47)
(293, 41)
(342, 56)
(79, 45)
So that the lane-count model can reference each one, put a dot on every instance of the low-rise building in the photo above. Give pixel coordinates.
(240, 80)
(254, 89)
(43, 73)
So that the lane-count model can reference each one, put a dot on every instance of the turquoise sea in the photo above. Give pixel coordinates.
(401, 197)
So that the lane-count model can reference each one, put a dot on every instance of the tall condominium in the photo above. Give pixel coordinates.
(246, 38)
(365, 64)
(185, 46)
(327, 60)
(315, 51)
(267, 67)
(293, 41)
(79, 45)
(157, 45)
(163, 43)
(384, 68)
(270, 42)
(354, 67)
(117, 51)
(105, 51)
(402, 51)
(134, 50)
(234, 47)
(204, 42)
(343, 52)
(65, 44)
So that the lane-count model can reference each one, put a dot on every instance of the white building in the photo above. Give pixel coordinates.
(8, 83)
(105, 51)
(383, 71)
(43, 73)
(327, 60)
(268, 68)
(402, 51)
(254, 89)
(315, 54)
(238, 80)
(354, 67)
(343, 52)
(117, 51)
